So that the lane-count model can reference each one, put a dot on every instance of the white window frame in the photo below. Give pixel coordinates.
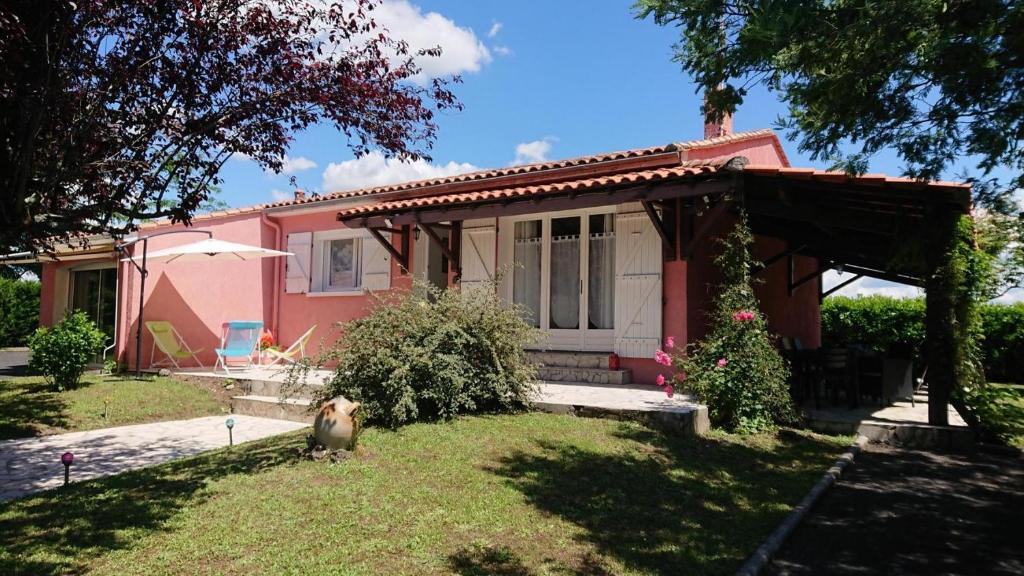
(321, 254)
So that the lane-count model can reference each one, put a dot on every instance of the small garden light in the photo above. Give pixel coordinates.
(67, 459)
(230, 423)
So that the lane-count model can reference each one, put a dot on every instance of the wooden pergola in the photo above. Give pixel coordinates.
(875, 226)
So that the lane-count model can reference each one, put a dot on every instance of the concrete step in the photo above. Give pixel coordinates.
(271, 388)
(588, 375)
(294, 409)
(569, 359)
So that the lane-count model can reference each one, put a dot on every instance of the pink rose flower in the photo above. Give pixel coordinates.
(661, 358)
(669, 391)
(722, 362)
(660, 380)
(670, 342)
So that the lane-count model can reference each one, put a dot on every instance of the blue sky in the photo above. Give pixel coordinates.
(541, 80)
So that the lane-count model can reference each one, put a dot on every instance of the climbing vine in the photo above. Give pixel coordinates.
(736, 369)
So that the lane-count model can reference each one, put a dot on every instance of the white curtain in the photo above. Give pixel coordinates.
(565, 282)
(601, 281)
(526, 277)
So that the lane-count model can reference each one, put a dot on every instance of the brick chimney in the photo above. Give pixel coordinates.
(716, 129)
(300, 195)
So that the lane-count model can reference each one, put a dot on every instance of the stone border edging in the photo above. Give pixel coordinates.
(760, 558)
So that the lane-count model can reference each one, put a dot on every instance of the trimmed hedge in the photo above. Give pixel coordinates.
(888, 324)
(19, 311)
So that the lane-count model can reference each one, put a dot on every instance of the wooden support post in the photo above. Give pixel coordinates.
(940, 313)
(659, 222)
(455, 241)
(402, 256)
(444, 246)
(406, 239)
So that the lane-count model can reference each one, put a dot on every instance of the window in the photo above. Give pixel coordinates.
(337, 262)
(341, 265)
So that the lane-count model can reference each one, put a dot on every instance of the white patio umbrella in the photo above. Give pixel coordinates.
(209, 249)
(214, 249)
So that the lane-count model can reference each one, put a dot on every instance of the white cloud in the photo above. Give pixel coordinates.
(374, 169)
(536, 151)
(502, 50)
(293, 165)
(461, 50)
(495, 28)
(280, 195)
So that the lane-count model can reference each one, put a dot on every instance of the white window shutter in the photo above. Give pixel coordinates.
(638, 271)
(479, 245)
(376, 265)
(297, 266)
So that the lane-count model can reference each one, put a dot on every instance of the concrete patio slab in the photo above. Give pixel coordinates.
(30, 465)
(649, 403)
(904, 423)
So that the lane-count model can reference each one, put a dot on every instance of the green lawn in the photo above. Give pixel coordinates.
(513, 495)
(28, 407)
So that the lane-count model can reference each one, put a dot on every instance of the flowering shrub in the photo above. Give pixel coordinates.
(736, 369)
(427, 353)
(61, 353)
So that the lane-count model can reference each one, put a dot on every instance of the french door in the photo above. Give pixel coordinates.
(563, 275)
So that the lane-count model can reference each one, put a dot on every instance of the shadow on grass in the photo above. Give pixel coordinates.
(24, 406)
(670, 505)
(62, 530)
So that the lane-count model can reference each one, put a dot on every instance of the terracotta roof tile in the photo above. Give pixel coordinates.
(684, 169)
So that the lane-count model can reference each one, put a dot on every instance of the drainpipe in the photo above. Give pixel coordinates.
(276, 307)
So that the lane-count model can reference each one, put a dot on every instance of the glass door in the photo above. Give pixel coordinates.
(94, 292)
(563, 276)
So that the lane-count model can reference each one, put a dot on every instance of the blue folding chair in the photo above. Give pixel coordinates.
(238, 339)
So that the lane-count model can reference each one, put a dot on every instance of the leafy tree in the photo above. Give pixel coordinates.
(109, 109)
(936, 80)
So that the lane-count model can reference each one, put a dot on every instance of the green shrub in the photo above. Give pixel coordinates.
(19, 311)
(737, 369)
(879, 323)
(1003, 346)
(61, 353)
(889, 324)
(427, 354)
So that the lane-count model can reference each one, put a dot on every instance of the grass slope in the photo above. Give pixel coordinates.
(513, 495)
(28, 407)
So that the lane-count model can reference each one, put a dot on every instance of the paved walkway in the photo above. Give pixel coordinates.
(899, 511)
(29, 465)
(13, 362)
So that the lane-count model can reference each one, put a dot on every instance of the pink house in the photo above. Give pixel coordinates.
(609, 253)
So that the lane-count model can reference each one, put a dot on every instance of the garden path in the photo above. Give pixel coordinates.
(30, 465)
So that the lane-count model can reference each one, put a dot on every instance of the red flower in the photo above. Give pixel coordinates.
(669, 391)
(660, 380)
